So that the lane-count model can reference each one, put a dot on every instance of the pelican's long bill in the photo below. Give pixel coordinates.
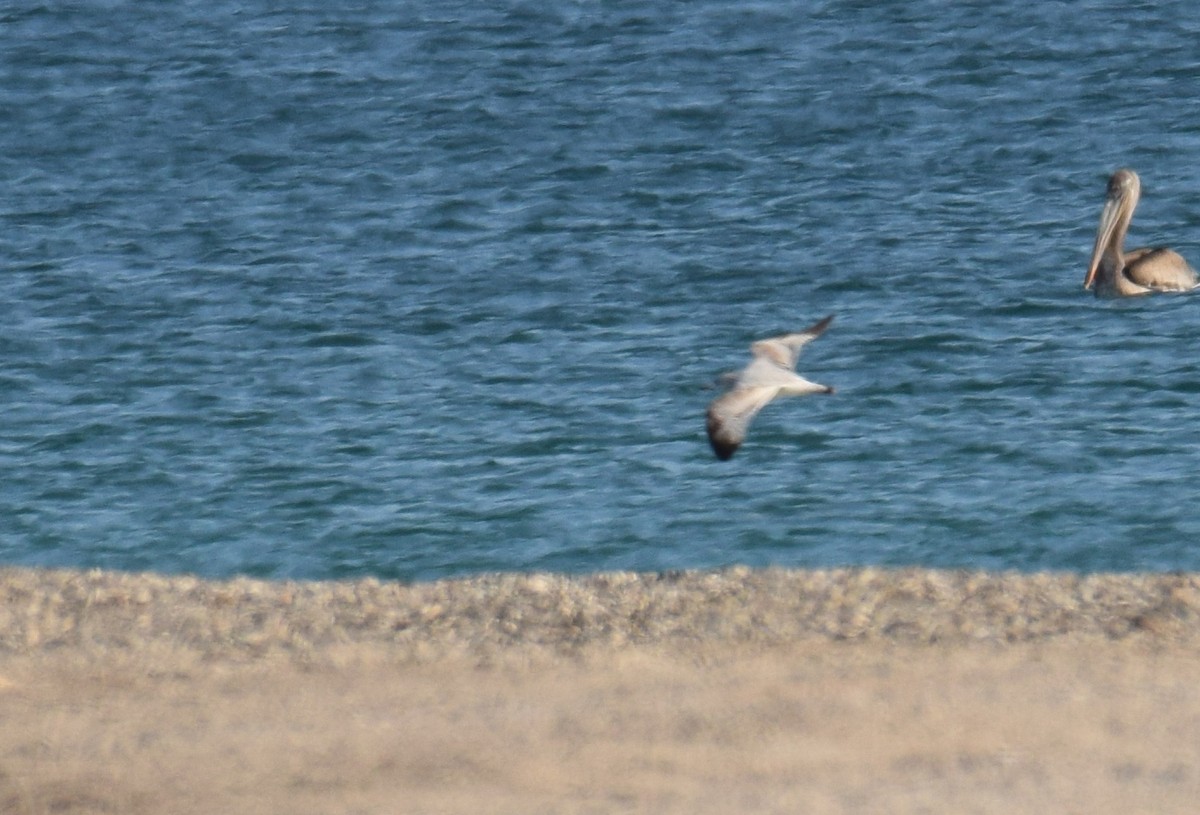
(1122, 197)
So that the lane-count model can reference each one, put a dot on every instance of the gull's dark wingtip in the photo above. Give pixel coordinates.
(723, 450)
(721, 444)
(818, 328)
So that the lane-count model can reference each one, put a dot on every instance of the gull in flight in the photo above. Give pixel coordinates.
(769, 375)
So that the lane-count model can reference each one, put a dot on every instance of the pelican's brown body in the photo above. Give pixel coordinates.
(1116, 274)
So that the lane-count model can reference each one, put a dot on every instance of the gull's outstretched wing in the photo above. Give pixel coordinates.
(785, 349)
(729, 418)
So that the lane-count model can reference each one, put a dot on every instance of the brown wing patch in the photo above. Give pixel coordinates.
(1160, 268)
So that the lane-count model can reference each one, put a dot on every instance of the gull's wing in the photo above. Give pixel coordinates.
(729, 417)
(785, 349)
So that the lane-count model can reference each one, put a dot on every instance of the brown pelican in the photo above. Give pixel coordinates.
(770, 374)
(1142, 271)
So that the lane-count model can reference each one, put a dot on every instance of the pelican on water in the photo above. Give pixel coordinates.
(769, 375)
(1142, 271)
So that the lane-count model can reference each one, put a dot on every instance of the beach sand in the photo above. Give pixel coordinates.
(856, 690)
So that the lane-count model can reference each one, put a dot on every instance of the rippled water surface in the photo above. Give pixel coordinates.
(425, 289)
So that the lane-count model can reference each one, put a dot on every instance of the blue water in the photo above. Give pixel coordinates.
(412, 290)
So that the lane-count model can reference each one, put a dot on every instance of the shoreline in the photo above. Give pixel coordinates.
(738, 690)
(102, 611)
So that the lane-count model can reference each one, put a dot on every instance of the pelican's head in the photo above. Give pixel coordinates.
(1123, 191)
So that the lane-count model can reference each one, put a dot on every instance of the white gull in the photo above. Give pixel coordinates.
(769, 375)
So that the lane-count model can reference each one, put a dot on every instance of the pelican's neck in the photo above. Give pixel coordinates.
(1108, 256)
(1114, 253)
(1112, 280)
(1112, 264)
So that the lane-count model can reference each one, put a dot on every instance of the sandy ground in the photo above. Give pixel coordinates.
(736, 691)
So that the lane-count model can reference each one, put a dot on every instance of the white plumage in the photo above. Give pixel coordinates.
(769, 375)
